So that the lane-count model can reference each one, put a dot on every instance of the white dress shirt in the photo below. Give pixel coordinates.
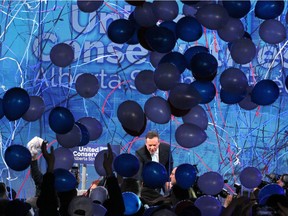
(155, 156)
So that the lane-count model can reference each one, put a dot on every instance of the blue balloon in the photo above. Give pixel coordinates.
(131, 115)
(204, 66)
(237, 9)
(144, 82)
(134, 38)
(17, 157)
(228, 97)
(171, 25)
(269, 190)
(189, 29)
(184, 96)
(246, 35)
(64, 180)
(212, 16)
(126, 165)
(120, 31)
(160, 39)
(209, 205)
(135, 133)
(157, 109)
(154, 175)
(185, 175)
(265, 92)
(243, 50)
(206, 89)
(132, 203)
(269, 9)
(61, 120)
(36, 109)
(62, 54)
(93, 126)
(85, 136)
(177, 112)
(16, 102)
(89, 6)
(64, 158)
(141, 35)
(197, 116)
(210, 183)
(250, 177)
(234, 80)
(166, 76)
(98, 162)
(247, 103)
(190, 135)
(175, 58)
(191, 51)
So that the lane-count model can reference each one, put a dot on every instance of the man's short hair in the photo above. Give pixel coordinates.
(152, 134)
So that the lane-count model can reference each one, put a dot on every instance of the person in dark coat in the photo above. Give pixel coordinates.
(154, 150)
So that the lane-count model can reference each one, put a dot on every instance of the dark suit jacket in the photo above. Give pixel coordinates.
(164, 152)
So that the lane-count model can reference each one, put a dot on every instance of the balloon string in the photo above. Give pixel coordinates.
(216, 131)
(272, 63)
(170, 147)
(206, 39)
(130, 143)
(28, 173)
(202, 161)
(215, 42)
(111, 92)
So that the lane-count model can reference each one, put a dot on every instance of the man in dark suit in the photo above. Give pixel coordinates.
(153, 150)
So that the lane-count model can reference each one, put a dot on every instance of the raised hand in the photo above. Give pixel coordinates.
(108, 161)
(49, 157)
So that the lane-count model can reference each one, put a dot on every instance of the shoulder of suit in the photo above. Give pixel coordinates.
(141, 150)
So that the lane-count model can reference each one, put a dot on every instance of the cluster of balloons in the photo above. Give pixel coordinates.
(17, 103)
(153, 26)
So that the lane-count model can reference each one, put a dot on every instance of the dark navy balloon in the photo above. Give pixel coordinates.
(85, 136)
(265, 92)
(175, 58)
(191, 51)
(16, 102)
(154, 175)
(120, 31)
(89, 6)
(185, 175)
(61, 120)
(204, 66)
(64, 180)
(269, 9)
(189, 29)
(17, 157)
(62, 55)
(206, 89)
(126, 165)
(237, 9)
(144, 82)
(160, 39)
(228, 97)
